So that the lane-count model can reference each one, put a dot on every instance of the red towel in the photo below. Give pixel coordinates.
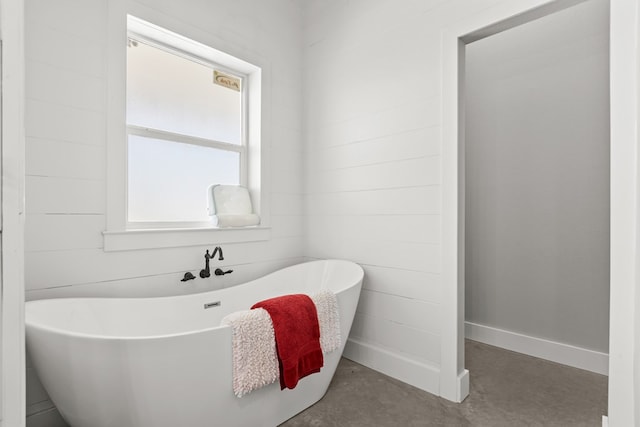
(297, 332)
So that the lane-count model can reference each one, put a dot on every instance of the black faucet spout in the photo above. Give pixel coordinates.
(218, 251)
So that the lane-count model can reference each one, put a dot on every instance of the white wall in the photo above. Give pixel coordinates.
(12, 352)
(66, 84)
(537, 178)
(372, 129)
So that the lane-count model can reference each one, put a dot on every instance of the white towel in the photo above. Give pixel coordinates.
(328, 319)
(255, 362)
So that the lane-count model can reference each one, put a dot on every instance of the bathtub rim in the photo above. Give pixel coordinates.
(39, 326)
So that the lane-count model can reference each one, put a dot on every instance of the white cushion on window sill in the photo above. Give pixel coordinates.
(229, 199)
(232, 220)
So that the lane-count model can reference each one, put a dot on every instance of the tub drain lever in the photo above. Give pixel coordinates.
(219, 272)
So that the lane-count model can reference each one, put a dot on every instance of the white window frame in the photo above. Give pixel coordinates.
(241, 148)
(123, 235)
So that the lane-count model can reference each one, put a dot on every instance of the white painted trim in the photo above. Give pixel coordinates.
(452, 312)
(500, 17)
(185, 139)
(624, 305)
(189, 46)
(605, 421)
(418, 374)
(565, 354)
(257, 70)
(463, 386)
(173, 238)
(13, 161)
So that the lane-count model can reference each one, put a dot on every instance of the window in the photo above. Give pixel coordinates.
(182, 116)
(185, 132)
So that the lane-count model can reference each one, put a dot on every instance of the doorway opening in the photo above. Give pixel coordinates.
(536, 165)
(455, 379)
(536, 209)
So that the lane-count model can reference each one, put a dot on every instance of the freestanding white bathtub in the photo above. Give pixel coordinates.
(166, 362)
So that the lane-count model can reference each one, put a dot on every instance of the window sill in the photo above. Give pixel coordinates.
(129, 240)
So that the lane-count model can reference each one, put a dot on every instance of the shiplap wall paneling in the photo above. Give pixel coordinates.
(66, 121)
(373, 154)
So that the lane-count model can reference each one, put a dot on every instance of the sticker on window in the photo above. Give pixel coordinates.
(226, 80)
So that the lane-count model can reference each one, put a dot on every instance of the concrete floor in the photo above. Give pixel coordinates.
(507, 389)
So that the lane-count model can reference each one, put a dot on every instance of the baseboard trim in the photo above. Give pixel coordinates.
(46, 418)
(463, 386)
(605, 421)
(549, 350)
(418, 374)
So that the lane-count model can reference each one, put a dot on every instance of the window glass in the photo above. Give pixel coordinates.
(168, 92)
(168, 180)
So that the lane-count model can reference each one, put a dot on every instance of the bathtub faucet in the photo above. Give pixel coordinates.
(217, 250)
(206, 272)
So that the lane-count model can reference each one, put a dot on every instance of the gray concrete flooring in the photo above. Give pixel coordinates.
(507, 389)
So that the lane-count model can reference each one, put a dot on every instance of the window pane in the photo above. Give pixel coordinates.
(168, 181)
(170, 93)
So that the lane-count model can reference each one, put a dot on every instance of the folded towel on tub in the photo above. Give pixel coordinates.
(297, 333)
(329, 320)
(255, 363)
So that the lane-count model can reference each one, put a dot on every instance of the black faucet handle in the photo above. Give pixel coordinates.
(220, 272)
(187, 276)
